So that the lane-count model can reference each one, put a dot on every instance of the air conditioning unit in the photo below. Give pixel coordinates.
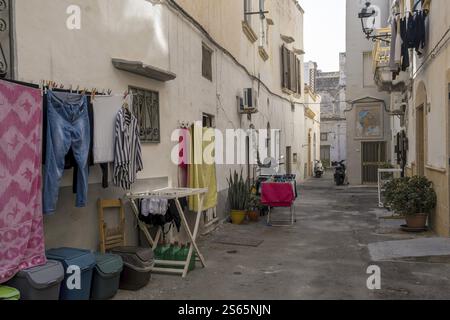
(249, 104)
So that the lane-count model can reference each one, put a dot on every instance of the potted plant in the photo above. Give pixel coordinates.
(413, 197)
(238, 197)
(254, 204)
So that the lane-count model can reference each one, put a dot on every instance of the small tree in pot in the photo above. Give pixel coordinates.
(238, 194)
(413, 197)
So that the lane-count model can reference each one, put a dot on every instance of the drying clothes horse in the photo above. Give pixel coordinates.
(278, 195)
(172, 194)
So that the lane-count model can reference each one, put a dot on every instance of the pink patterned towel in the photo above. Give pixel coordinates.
(21, 219)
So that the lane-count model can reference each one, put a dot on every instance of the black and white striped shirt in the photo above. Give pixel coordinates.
(127, 151)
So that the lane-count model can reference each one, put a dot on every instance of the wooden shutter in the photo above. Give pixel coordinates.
(292, 71)
(299, 76)
(285, 67)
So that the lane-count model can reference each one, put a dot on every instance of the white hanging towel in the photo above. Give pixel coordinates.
(105, 115)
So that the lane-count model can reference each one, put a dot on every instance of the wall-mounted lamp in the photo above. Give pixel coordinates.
(368, 16)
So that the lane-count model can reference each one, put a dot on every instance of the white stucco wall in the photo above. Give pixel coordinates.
(138, 30)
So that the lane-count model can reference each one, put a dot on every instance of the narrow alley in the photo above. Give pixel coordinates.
(324, 256)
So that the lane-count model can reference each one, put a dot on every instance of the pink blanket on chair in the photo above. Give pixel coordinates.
(277, 194)
(21, 219)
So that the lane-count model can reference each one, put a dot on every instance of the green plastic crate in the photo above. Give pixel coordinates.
(8, 293)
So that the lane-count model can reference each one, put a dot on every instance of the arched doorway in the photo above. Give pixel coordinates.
(421, 129)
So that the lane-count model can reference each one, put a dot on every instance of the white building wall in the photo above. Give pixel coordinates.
(155, 35)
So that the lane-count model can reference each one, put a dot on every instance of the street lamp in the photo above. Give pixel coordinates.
(368, 17)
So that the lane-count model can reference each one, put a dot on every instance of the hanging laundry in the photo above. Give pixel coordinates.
(105, 114)
(70, 162)
(421, 32)
(404, 48)
(201, 174)
(68, 127)
(184, 141)
(170, 216)
(127, 152)
(396, 46)
(21, 219)
(154, 206)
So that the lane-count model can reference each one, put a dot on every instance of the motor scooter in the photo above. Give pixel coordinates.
(340, 172)
(318, 169)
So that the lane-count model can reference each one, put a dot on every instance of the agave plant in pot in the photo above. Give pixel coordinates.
(413, 197)
(238, 197)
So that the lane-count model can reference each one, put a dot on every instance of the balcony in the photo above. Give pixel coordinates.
(381, 69)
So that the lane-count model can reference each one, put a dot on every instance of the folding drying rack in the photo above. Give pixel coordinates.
(172, 194)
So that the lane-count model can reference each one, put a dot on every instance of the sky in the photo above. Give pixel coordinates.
(324, 32)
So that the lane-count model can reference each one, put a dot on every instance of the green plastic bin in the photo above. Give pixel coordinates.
(8, 293)
(106, 278)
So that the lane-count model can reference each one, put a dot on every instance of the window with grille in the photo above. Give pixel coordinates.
(207, 62)
(146, 110)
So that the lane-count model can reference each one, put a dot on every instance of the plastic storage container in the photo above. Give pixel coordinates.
(74, 259)
(183, 254)
(8, 293)
(39, 283)
(106, 279)
(137, 267)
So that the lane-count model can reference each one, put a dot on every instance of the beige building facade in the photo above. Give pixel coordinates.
(368, 119)
(422, 106)
(210, 50)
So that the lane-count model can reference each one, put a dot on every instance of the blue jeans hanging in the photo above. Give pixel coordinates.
(67, 126)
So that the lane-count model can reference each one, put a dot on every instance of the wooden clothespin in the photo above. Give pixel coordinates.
(125, 101)
(94, 91)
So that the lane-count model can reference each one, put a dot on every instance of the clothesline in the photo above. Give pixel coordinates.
(61, 88)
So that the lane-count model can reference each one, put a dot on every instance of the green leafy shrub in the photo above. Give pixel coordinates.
(410, 196)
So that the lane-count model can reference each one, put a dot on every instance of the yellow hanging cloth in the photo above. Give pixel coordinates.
(202, 172)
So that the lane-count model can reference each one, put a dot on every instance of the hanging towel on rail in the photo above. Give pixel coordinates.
(105, 115)
(21, 219)
(201, 173)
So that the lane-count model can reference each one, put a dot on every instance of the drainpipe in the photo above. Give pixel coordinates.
(261, 25)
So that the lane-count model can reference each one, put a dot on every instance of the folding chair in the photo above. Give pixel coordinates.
(111, 238)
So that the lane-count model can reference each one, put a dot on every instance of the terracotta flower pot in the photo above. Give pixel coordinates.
(238, 216)
(253, 216)
(416, 221)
